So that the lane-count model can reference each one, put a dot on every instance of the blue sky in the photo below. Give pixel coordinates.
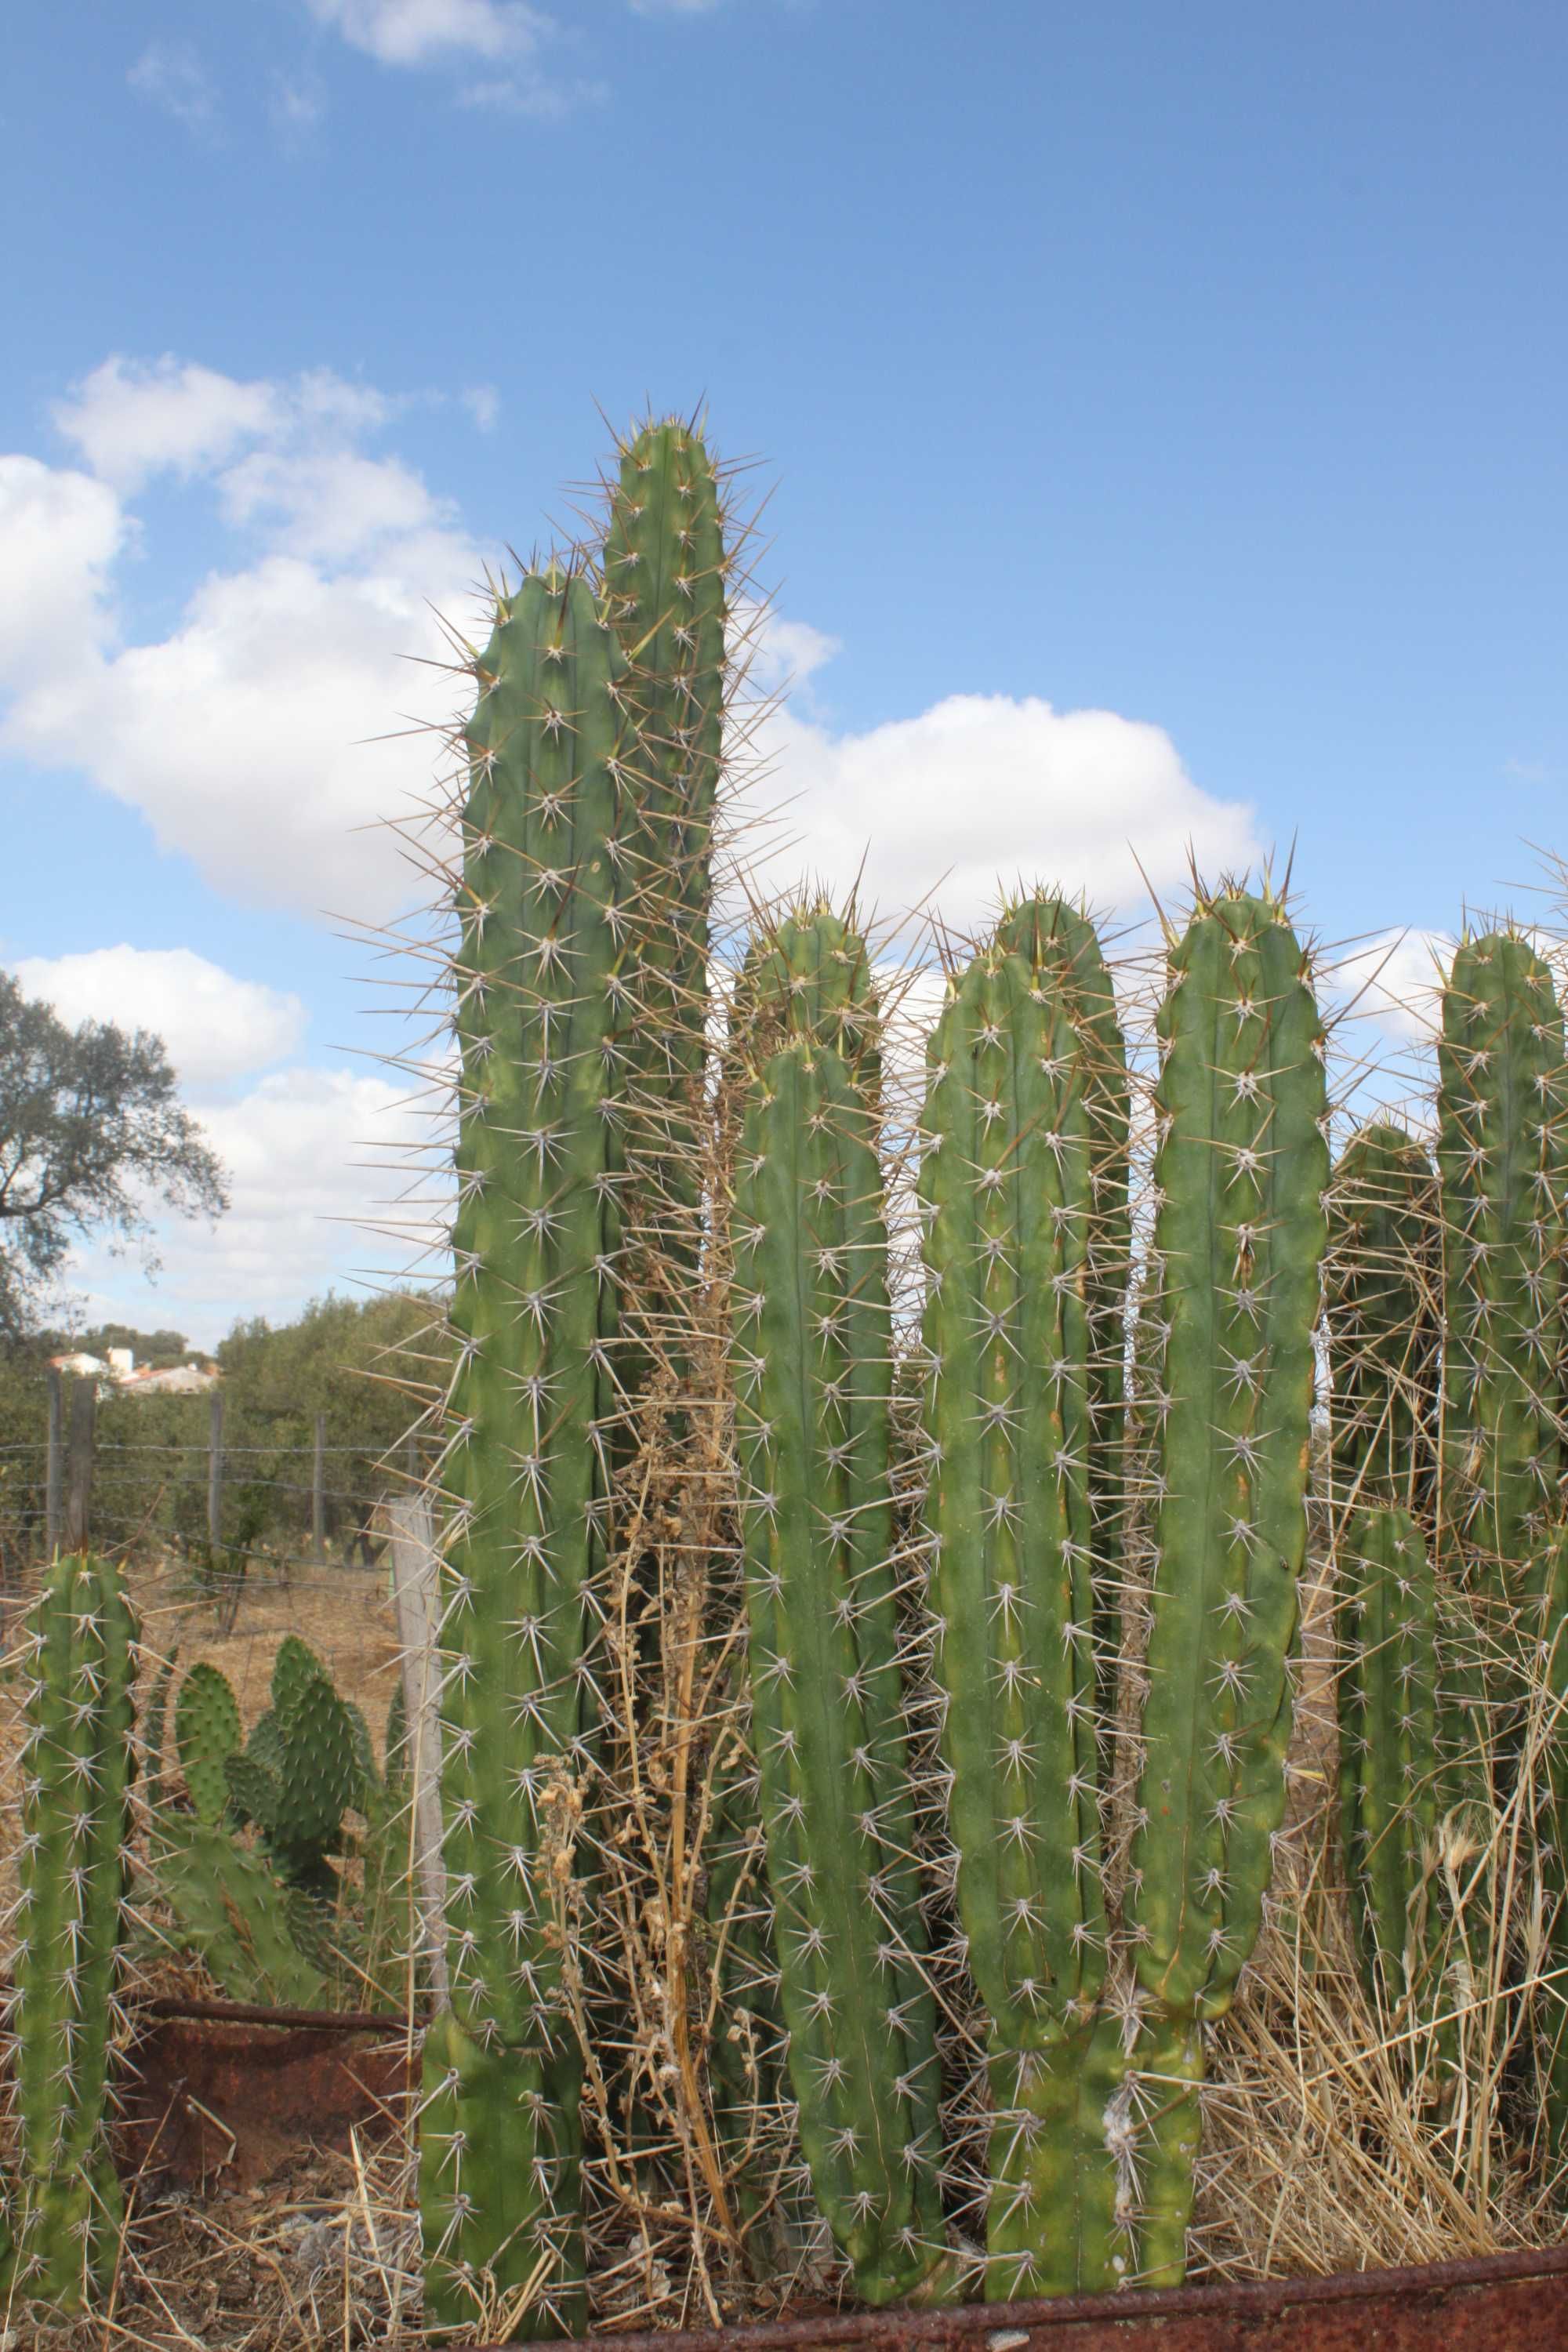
(1161, 410)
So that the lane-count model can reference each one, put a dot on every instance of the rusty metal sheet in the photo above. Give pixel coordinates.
(204, 2097)
(1506, 2303)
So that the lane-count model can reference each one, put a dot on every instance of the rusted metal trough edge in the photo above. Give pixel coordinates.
(1227, 2298)
(293, 2021)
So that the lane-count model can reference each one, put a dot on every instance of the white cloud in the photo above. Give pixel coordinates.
(173, 76)
(332, 503)
(295, 1147)
(992, 790)
(243, 735)
(1394, 983)
(241, 738)
(132, 420)
(59, 534)
(216, 1026)
(482, 402)
(414, 32)
(246, 735)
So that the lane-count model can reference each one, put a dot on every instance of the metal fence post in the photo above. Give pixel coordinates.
(55, 1465)
(415, 1574)
(319, 1492)
(78, 1463)
(215, 1471)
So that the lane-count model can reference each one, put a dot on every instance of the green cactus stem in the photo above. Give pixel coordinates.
(1391, 1783)
(1548, 1621)
(1239, 1177)
(1382, 1282)
(813, 1362)
(1502, 1161)
(1014, 1131)
(1058, 941)
(665, 569)
(545, 995)
(78, 1666)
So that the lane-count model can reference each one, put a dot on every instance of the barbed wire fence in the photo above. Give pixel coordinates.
(232, 1509)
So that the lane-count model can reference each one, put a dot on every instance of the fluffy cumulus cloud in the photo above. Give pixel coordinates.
(217, 1026)
(262, 735)
(302, 1148)
(982, 792)
(1393, 984)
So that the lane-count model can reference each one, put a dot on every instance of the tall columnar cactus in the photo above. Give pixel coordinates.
(1239, 1177)
(1383, 1298)
(77, 1661)
(1502, 1159)
(1391, 1776)
(1020, 1242)
(809, 977)
(665, 565)
(1058, 943)
(544, 1002)
(814, 1377)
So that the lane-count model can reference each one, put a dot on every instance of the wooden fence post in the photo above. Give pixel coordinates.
(214, 1472)
(319, 1492)
(55, 1465)
(78, 1463)
(414, 1574)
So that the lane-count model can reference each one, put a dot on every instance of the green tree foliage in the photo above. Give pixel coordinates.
(92, 1132)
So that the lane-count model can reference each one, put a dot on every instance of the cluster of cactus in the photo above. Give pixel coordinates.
(580, 992)
(261, 1919)
(1112, 1858)
(1448, 1341)
(77, 1660)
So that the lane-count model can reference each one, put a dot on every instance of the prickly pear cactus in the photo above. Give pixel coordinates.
(544, 990)
(301, 1770)
(207, 1732)
(76, 1664)
(813, 1370)
(1015, 1132)
(1239, 1177)
(1502, 1160)
(1382, 1287)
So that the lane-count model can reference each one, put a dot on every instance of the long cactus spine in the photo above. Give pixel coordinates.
(77, 1665)
(1240, 1175)
(812, 1353)
(541, 1003)
(1023, 1156)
